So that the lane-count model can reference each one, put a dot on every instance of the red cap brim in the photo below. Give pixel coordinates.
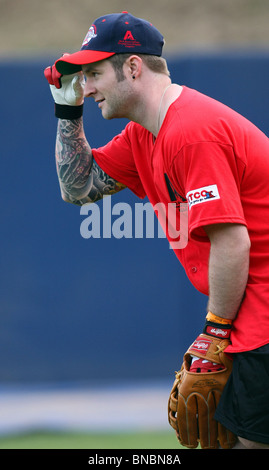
(72, 63)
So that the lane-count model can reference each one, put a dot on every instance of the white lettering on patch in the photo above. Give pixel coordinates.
(205, 194)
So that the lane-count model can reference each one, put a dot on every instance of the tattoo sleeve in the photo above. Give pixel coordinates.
(81, 179)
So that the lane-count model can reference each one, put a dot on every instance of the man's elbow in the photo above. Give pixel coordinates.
(243, 240)
(247, 242)
(66, 198)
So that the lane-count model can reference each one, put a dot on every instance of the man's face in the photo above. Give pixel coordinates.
(112, 96)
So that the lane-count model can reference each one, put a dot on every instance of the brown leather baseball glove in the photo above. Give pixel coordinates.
(195, 396)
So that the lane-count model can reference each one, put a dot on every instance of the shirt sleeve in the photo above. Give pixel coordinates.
(211, 175)
(117, 160)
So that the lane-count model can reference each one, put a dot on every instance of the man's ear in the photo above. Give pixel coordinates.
(133, 66)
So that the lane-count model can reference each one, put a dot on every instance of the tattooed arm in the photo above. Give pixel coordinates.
(81, 179)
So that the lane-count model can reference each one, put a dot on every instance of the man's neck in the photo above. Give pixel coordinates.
(154, 106)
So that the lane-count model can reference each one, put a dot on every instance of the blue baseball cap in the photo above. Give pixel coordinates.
(117, 33)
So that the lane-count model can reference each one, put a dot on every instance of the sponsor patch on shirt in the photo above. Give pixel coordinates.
(205, 194)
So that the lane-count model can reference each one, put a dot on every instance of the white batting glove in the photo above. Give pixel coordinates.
(71, 92)
(67, 92)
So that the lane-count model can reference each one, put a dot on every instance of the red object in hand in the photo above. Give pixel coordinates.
(53, 76)
(202, 366)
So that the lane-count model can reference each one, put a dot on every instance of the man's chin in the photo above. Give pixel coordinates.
(108, 116)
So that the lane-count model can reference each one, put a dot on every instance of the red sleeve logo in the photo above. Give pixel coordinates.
(204, 194)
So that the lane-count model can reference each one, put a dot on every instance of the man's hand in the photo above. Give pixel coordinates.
(196, 392)
(66, 89)
(67, 92)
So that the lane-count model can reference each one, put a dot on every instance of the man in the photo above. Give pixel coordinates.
(181, 146)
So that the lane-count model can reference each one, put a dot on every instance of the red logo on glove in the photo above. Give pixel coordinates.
(200, 345)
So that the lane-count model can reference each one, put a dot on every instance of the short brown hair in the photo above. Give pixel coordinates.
(154, 63)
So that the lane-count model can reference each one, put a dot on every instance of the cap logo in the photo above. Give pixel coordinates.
(129, 40)
(129, 35)
(90, 35)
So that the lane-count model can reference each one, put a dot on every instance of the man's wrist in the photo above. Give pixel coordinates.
(218, 327)
(215, 318)
(63, 111)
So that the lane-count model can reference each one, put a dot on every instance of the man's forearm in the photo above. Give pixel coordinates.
(73, 161)
(81, 179)
(228, 269)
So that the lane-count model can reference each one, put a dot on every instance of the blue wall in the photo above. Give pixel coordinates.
(77, 309)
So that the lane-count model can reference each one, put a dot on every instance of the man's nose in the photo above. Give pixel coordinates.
(89, 89)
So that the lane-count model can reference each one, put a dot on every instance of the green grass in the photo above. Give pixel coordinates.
(58, 440)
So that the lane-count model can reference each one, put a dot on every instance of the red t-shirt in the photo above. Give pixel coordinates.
(218, 162)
